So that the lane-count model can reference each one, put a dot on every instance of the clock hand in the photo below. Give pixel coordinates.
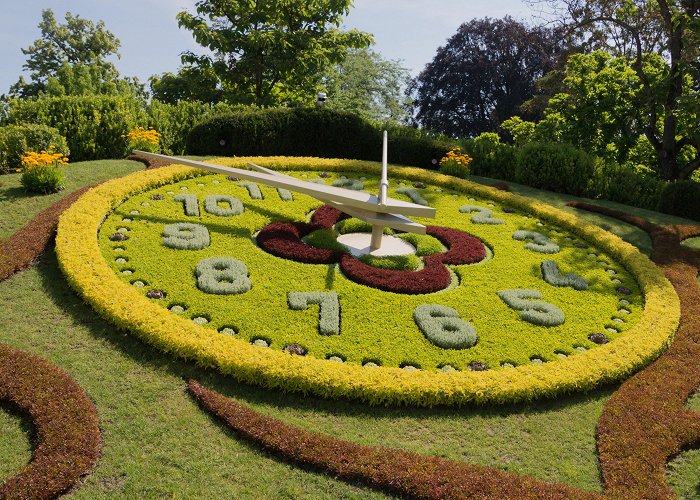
(357, 199)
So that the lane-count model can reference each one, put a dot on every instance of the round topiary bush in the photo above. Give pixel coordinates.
(556, 167)
(681, 198)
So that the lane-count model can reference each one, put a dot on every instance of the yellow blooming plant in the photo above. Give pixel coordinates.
(456, 163)
(42, 172)
(143, 140)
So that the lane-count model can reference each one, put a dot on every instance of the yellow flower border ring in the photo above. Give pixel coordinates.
(82, 263)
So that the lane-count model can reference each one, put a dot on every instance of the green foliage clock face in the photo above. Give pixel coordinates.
(542, 294)
(506, 299)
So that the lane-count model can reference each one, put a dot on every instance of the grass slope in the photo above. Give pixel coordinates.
(17, 206)
(158, 443)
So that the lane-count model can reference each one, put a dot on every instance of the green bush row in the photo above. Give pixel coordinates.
(16, 139)
(566, 169)
(95, 125)
(309, 132)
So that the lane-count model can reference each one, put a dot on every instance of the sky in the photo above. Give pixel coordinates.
(151, 42)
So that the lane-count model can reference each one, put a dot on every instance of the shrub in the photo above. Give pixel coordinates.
(556, 167)
(624, 184)
(491, 157)
(143, 140)
(94, 125)
(43, 171)
(308, 132)
(16, 139)
(456, 163)
(174, 121)
(681, 198)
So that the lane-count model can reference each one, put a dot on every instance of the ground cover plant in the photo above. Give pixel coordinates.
(549, 353)
(552, 440)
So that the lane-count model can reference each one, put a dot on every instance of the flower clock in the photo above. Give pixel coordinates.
(503, 299)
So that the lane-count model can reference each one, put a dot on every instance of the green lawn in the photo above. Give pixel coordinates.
(157, 442)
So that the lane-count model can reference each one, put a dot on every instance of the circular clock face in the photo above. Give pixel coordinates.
(490, 287)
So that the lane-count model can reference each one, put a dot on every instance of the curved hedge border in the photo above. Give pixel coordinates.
(66, 422)
(634, 452)
(82, 263)
(393, 470)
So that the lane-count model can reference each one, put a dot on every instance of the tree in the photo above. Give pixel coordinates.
(269, 52)
(600, 108)
(368, 85)
(190, 84)
(673, 102)
(70, 58)
(481, 76)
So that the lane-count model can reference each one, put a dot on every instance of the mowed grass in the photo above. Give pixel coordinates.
(157, 442)
(17, 206)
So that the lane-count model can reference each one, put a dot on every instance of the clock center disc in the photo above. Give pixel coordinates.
(359, 244)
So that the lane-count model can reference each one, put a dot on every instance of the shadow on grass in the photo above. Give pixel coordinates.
(14, 194)
(57, 289)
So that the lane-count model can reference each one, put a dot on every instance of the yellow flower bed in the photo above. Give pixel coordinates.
(81, 260)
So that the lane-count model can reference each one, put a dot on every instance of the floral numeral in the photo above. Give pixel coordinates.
(551, 274)
(190, 204)
(253, 190)
(533, 311)
(186, 236)
(222, 276)
(329, 309)
(212, 205)
(540, 243)
(442, 326)
(483, 215)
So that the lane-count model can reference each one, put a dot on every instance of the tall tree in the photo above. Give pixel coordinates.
(67, 53)
(675, 99)
(190, 84)
(481, 76)
(269, 52)
(369, 85)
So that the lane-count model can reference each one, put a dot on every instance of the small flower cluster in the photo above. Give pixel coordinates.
(143, 139)
(456, 163)
(42, 172)
(32, 159)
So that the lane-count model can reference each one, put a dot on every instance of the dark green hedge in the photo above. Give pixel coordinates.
(308, 132)
(681, 198)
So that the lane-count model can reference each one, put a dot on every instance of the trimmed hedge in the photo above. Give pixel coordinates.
(16, 139)
(308, 132)
(94, 125)
(556, 167)
(681, 198)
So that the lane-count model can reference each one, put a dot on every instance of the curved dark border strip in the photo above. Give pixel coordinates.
(67, 432)
(646, 422)
(392, 470)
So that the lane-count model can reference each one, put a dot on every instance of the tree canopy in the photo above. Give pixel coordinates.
(671, 28)
(71, 58)
(369, 85)
(269, 52)
(481, 76)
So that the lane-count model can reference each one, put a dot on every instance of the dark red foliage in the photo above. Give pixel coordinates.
(598, 338)
(283, 239)
(432, 278)
(326, 217)
(400, 472)
(67, 431)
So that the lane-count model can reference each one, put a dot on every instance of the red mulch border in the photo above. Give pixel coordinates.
(646, 421)
(67, 430)
(392, 470)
